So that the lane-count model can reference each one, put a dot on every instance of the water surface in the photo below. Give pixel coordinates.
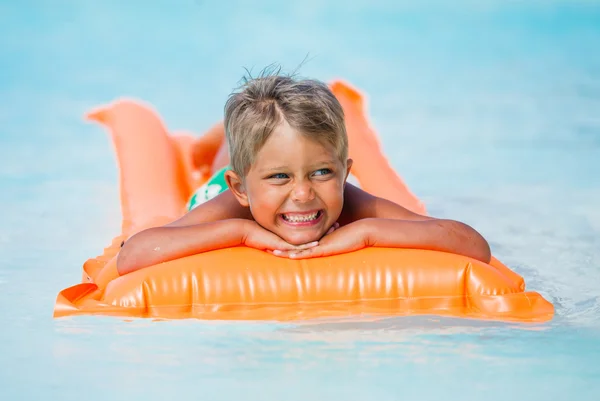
(490, 110)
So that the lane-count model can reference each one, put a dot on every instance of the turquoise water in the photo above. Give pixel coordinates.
(489, 109)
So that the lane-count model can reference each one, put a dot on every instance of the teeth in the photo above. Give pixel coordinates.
(300, 218)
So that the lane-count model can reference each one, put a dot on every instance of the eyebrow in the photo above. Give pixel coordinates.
(264, 170)
(274, 168)
(312, 165)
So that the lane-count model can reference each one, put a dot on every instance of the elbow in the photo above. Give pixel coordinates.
(131, 256)
(483, 251)
(126, 259)
(478, 247)
(466, 241)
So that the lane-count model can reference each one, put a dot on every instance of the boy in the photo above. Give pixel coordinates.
(287, 192)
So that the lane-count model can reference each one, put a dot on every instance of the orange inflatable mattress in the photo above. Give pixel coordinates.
(157, 177)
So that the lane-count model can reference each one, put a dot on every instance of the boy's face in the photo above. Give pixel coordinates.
(295, 187)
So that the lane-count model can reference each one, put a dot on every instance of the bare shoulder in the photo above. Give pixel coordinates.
(222, 207)
(359, 204)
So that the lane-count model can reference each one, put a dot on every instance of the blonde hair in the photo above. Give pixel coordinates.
(256, 108)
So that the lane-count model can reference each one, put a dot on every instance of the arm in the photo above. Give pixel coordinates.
(434, 234)
(161, 244)
(188, 235)
(370, 221)
(218, 223)
(391, 225)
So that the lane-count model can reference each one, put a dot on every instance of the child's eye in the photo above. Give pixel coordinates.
(279, 176)
(322, 171)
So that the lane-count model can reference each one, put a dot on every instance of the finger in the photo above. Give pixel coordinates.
(306, 253)
(283, 253)
(300, 249)
(306, 246)
(301, 255)
(284, 246)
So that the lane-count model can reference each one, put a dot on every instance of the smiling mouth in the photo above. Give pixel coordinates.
(302, 218)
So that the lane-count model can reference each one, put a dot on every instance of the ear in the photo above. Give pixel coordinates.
(236, 185)
(349, 163)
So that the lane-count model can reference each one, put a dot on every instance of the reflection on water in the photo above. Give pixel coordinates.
(489, 110)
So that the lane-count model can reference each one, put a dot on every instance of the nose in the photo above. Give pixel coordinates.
(303, 191)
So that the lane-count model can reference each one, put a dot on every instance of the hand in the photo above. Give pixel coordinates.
(349, 238)
(260, 238)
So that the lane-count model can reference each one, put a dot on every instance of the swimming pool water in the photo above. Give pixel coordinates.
(490, 110)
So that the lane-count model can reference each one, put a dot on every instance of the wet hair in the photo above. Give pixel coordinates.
(256, 108)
